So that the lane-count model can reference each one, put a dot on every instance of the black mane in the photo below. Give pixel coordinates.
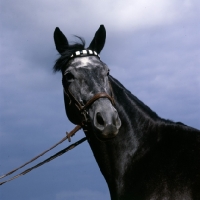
(65, 56)
(139, 105)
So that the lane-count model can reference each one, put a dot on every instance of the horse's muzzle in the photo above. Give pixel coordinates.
(105, 119)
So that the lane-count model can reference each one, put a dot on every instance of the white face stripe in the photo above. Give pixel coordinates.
(83, 62)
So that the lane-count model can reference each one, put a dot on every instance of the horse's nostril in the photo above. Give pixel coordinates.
(100, 119)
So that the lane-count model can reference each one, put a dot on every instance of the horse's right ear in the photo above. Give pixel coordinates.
(60, 41)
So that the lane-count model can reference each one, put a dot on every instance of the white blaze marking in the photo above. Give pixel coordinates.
(84, 62)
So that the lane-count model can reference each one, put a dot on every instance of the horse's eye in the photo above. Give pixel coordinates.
(69, 77)
(108, 73)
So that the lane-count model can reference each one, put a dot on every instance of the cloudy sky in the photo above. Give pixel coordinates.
(152, 47)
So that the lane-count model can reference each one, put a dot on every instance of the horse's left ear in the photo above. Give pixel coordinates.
(99, 39)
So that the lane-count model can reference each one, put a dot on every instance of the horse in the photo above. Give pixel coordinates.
(141, 155)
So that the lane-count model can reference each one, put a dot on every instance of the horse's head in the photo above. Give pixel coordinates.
(87, 91)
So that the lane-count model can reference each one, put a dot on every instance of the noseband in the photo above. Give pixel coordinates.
(83, 108)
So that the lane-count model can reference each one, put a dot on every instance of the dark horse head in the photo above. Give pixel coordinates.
(87, 91)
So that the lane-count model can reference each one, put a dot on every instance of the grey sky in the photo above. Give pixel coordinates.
(152, 47)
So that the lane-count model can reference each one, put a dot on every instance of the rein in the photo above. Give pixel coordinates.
(82, 109)
(84, 124)
(68, 136)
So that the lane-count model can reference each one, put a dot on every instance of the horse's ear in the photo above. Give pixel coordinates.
(99, 39)
(60, 41)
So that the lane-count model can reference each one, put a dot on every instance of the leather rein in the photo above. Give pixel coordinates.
(68, 136)
(85, 120)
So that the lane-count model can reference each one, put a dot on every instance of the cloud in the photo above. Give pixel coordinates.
(119, 15)
(152, 47)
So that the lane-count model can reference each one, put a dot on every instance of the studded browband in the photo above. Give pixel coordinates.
(85, 53)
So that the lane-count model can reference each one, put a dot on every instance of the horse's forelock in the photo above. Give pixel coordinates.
(65, 56)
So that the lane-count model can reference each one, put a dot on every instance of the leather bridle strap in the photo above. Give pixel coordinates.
(89, 102)
(96, 97)
(82, 108)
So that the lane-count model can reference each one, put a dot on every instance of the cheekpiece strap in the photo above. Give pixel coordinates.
(85, 53)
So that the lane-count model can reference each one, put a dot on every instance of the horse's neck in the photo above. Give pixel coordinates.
(122, 158)
(112, 156)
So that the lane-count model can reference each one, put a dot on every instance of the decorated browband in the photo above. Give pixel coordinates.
(85, 53)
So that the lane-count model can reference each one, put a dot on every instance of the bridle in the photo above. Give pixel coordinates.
(83, 108)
